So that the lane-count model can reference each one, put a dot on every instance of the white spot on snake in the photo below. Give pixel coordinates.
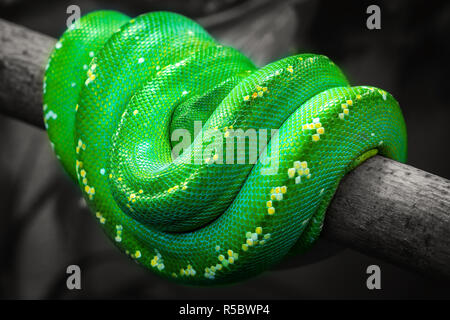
(141, 60)
(58, 45)
(119, 230)
(91, 54)
(102, 171)
(51, 115)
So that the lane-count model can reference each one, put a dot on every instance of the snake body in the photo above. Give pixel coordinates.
(115, 91)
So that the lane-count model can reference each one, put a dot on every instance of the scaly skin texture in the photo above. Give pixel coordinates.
(115, 90)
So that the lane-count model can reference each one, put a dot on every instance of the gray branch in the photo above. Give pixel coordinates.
(383, 208)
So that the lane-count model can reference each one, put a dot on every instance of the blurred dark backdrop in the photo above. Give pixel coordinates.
(45, 226)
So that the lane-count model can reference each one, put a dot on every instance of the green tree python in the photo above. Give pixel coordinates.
(116, 91)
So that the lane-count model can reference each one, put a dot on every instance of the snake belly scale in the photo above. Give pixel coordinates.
(116, 89)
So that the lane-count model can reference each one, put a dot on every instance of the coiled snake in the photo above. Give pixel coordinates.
(116, 92)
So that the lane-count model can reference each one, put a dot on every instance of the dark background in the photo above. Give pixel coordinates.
(45, 226)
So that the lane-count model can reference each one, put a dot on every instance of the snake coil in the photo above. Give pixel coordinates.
(118, 90)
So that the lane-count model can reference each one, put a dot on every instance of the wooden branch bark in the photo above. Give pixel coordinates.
(23, 56)
(382, 208)
(396, 212)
